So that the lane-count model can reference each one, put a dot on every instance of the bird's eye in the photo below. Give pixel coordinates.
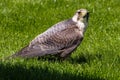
(79, 12)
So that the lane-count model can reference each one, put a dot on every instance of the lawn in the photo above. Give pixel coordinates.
(97, 58)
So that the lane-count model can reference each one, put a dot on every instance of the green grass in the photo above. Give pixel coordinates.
(97, 58)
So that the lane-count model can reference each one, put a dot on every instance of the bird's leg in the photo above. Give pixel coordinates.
(67, 51)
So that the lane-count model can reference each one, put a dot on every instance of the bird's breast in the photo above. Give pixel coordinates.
(81, 28)
(80, 25)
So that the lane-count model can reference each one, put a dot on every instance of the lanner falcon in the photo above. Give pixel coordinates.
(61, 39)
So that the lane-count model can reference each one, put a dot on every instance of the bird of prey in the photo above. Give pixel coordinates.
(61, 39)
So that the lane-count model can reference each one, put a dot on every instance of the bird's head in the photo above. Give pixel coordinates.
(81, 15)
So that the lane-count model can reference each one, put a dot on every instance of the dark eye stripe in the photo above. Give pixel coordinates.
(84, 16)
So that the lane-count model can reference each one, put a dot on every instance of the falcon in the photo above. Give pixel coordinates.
(61, 39)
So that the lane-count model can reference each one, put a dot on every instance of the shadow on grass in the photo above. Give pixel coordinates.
(82, 58)
(85, 58)
(21, 72)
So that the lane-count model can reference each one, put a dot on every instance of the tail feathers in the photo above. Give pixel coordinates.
(16, 54)
(27, 52)
(10, 57)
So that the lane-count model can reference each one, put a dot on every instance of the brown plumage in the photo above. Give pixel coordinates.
(62, 38)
